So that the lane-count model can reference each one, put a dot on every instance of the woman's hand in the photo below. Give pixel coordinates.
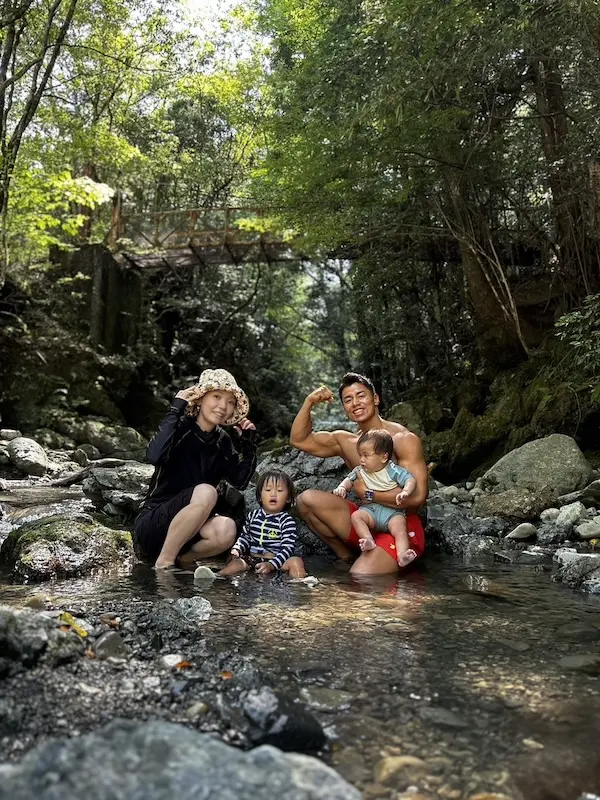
(244, 425)
(264, 568)
(187, 394)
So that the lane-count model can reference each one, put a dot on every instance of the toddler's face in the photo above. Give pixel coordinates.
(369, 459)
(274, 496)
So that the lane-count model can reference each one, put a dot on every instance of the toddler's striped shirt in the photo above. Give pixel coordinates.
(268, 533)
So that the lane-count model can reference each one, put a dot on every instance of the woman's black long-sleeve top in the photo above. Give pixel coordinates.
(185, 456)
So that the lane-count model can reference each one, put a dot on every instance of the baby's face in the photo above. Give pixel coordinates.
(369, 459)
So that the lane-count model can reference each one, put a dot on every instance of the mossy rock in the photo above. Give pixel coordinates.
(62, 546)
(406, 414)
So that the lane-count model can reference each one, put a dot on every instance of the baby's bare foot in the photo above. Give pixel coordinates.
(366, 544)
(406, 557)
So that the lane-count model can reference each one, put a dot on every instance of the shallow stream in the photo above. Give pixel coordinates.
(445, 683)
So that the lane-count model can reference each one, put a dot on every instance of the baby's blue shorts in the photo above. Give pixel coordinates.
(382, 514)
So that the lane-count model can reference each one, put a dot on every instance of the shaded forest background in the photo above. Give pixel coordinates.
(435, 167)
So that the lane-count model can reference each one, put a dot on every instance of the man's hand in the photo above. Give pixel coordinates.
(186, 394)
(320, 395)
(244, 425)
(264, 568)
(340, 491)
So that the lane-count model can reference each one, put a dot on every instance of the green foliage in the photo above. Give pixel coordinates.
(580, 331)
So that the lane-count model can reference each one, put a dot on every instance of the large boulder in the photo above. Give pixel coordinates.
(519, 502)
(27, 637)
(62, 546)
(28, 456)
(118, 490)
(161, 760)
(554, 464)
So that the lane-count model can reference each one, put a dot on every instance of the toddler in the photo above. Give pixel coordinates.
(268, 538)
(380, 474)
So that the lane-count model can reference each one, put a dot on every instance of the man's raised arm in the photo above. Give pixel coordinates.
(302, 436)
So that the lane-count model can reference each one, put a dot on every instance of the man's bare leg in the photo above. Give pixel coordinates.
(218, 535)
(404, 553)
(363, 523)
(329, 517)
(374, 562)
(186, 523)
(294, 566)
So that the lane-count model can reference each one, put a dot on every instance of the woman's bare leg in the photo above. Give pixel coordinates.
(218, 535)
(295, 568)
(186, 523)
(329, 517)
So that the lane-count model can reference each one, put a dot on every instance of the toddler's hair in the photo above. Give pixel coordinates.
(383, 444)
(277, 475)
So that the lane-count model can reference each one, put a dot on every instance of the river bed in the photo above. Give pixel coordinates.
(448, 682)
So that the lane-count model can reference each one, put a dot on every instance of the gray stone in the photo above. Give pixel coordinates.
(519, 502)
(571, 514)
(277, 720)
(589, 496)
(443, 717)
(27, 636)
(110, 645)
(479, 549)
(28, 456)
(123, 488)
(455, 493)
(62, 546)
(523, 531)
(553, 533)
(406, 414)
(555, 464)
(163, 761)
(182, 614)
(321, 698)
(549, 514)
(8, 434)
(583, 662)
(575, 568)
(588, 530)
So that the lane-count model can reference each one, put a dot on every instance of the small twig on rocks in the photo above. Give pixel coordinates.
(75, 477)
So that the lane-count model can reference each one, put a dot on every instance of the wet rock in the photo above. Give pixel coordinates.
(588, 530)
(523, 531)
(277, 720)
(62, 546)
(571, 514)
(479, 548)
(553, 533)
(535, 555)
(442, 716)
(455, 494)
(8, 434)
(161, 761)
(182, 614)
(519, 502)
(578, 632)
(320, 698)
(26, 637)
(451, 528)
(576, 568)
(389, 768)
(110, 645)
(553, 463)
(196, 711)
(118, 490)
(583, 662)
(589, 496)
(53, 440)
(28, 456)
(549, 514)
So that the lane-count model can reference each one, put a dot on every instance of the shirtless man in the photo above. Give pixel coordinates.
(329, 515)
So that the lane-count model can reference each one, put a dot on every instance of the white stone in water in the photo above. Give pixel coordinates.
(549, 514)
(571, 514)
(588, 530)
(524, 531)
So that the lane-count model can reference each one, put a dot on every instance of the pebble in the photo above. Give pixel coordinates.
(171, 660)
(585, 662)
(321, 698)
(532, 744)
(389, 767)
(197, 710)
(110, 645)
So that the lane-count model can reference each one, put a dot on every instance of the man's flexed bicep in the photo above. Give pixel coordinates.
(323, 444)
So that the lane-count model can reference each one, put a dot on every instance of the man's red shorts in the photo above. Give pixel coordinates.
(416, 536)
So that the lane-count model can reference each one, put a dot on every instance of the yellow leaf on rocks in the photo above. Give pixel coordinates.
(226, 676)
(69, 620)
